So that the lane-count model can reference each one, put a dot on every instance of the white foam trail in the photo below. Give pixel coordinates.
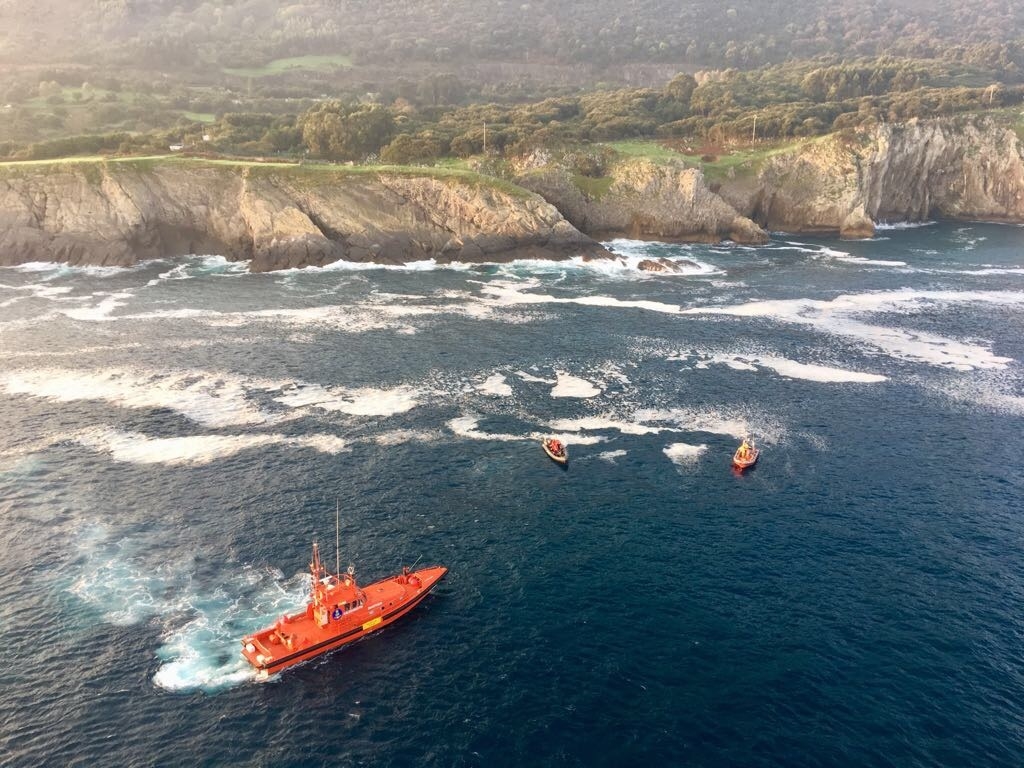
(467, 426)
(710, 421)
(794, 370)
(572, 386)
(682, 454)
(202, 653)
(130, 582)
(365, 401)
(136, 448)
(611, 456)
(888, 225)
(209, 399)
(424, 265)
(835, 317)
(837, 255)
(60, 269)
(501, 294)
(201, 266)
(101, 311)
(789, 368)
(528, 377)
(496, 385)
(594, 423)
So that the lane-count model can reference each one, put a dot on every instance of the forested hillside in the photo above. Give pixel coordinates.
(186, 34)
(417, 81)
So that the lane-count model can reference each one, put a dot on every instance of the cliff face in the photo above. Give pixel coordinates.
(645, 200)
(944, 168)
(120, 213)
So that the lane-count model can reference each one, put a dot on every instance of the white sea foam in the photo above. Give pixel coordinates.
(835, 317)
(468, 427)
(809, 372)
(837, 255)
(789, 368)
(496, 385)
(200, 627)
(136, 448)
(711, 421)
(59, 269)
(572, 386)
(199, 651)
(503, 294)
(611, 456)
(101, 311)
(887, 225)
(531, 378)
(213, 400)
(365, 401)
(200, 266)
(595, 423)
(682, 454)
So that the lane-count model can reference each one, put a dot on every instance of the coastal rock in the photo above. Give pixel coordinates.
(857, 226)
(121, 212)
(644, 200)
(957, 168)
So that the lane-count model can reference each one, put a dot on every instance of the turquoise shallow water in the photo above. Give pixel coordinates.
(175, 434)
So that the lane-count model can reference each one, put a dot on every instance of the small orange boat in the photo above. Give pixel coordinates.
(556, 449)
(746, 455)
(339, 612)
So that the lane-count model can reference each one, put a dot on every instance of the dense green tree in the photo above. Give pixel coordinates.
(339, 131)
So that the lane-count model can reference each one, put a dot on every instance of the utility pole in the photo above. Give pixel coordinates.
(753, 134)
(485, 137)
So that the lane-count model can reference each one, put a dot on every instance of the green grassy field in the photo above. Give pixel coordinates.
(199, 117)
(652, 150)
(747, 160)
(295, 63)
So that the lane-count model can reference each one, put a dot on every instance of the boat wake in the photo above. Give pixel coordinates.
(200, 629)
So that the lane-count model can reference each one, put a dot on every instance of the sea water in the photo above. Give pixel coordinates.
(175, 435)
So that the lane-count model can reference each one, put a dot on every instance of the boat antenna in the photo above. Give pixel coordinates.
(337, 538)
(417, 561)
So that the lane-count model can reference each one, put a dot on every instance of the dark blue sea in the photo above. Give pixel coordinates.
(175, 435)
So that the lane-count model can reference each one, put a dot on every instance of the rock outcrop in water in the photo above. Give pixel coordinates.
(119, 213)
(952, 168)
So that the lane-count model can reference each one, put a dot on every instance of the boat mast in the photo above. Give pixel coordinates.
(337, 538)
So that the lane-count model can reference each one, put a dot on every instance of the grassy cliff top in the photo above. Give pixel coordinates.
(309, 172)
(715, 163)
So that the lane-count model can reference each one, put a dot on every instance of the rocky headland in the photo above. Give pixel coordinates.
(840, 184)
(119, 212)
(278, 217)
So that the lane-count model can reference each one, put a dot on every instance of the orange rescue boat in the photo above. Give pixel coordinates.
(746, 455)
(339, 611)
(556, 450)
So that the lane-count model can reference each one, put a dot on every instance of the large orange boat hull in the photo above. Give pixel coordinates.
(299, 637)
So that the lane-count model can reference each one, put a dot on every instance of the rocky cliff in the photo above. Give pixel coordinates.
(961, 168)
(118, 213)
(643, 200)
(957, 168)
(121, 212)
